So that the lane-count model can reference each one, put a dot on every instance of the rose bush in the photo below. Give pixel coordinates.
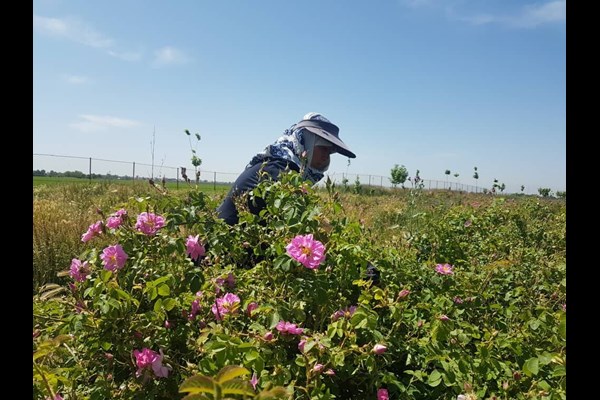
(280, 306)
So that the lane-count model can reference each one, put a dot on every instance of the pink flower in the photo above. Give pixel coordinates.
(458, 300)
(149, 223)
(194, 248)
(444, 269)
(254, 380)
(160, 370)
(195, 309)
(307, 251)
(379, 349)
(345, 313)
(229, 282)
(251, 307)
(268, 336)
(113, 257)
(228, 304)
(94, 230)
(301, 345)
(329, 372)
(144, 358)
(403, 293)
(148, 359)
(79, 271)
(382, 394)
(116, 219)
(287, 327)
(443, 317)
(318, 367)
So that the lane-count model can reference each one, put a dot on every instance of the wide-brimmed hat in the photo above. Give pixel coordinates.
(327, 131)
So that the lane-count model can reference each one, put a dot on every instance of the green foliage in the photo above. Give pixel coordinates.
(545, 192)
(399, 174)
(495, 327)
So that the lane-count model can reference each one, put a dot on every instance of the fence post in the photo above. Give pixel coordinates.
(177, 178)
(133, 176)
(90, 169)
(215, 181)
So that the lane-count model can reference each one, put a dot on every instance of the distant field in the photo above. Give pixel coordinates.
(204, 186)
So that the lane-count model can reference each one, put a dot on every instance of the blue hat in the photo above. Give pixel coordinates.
(322, 127)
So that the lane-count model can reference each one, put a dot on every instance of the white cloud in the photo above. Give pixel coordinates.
(76, 79)
(92, 123)
(126, 56)
(80, 32)
(71, 29)
(534, 15)
(528, 16)
(168, 56)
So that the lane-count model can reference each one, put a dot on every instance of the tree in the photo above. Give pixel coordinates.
(456, 174)
(196, 161)
(398, 175)
(475, 176)
(544, 192)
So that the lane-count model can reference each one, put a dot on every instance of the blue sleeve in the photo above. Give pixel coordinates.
(247, 181)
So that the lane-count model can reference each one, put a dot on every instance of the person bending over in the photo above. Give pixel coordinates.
(313, 139)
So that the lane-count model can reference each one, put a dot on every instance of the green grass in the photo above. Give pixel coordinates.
(203, 186)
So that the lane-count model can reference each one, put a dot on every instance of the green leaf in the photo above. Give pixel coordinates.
(559, 370)
(251, 355)
(158, 305)
(164, 290)
(534, 324)
(198, 384)
(544, 385)
(531, 366)
(545, 358)
(169, 303)
(237, 386)
(435, 378)
(275, 393)
(230, 372)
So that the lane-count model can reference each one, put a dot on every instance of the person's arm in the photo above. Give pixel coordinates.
(247, 181)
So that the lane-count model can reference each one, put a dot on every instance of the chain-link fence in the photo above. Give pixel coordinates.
(91, 168)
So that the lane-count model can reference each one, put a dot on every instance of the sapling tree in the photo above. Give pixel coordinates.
(475, 176)
(398, 175)
(196, 161)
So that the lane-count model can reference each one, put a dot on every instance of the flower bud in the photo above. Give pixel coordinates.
(379, 349)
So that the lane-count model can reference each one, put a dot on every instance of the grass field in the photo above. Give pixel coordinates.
(204, 186)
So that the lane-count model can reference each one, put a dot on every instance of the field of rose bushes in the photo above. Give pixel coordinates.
(401, 294)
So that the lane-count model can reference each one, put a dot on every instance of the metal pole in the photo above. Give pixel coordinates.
(215, 181)
(90, 169)
(133, 176)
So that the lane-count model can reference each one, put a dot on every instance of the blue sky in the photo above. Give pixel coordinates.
(433, 85)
